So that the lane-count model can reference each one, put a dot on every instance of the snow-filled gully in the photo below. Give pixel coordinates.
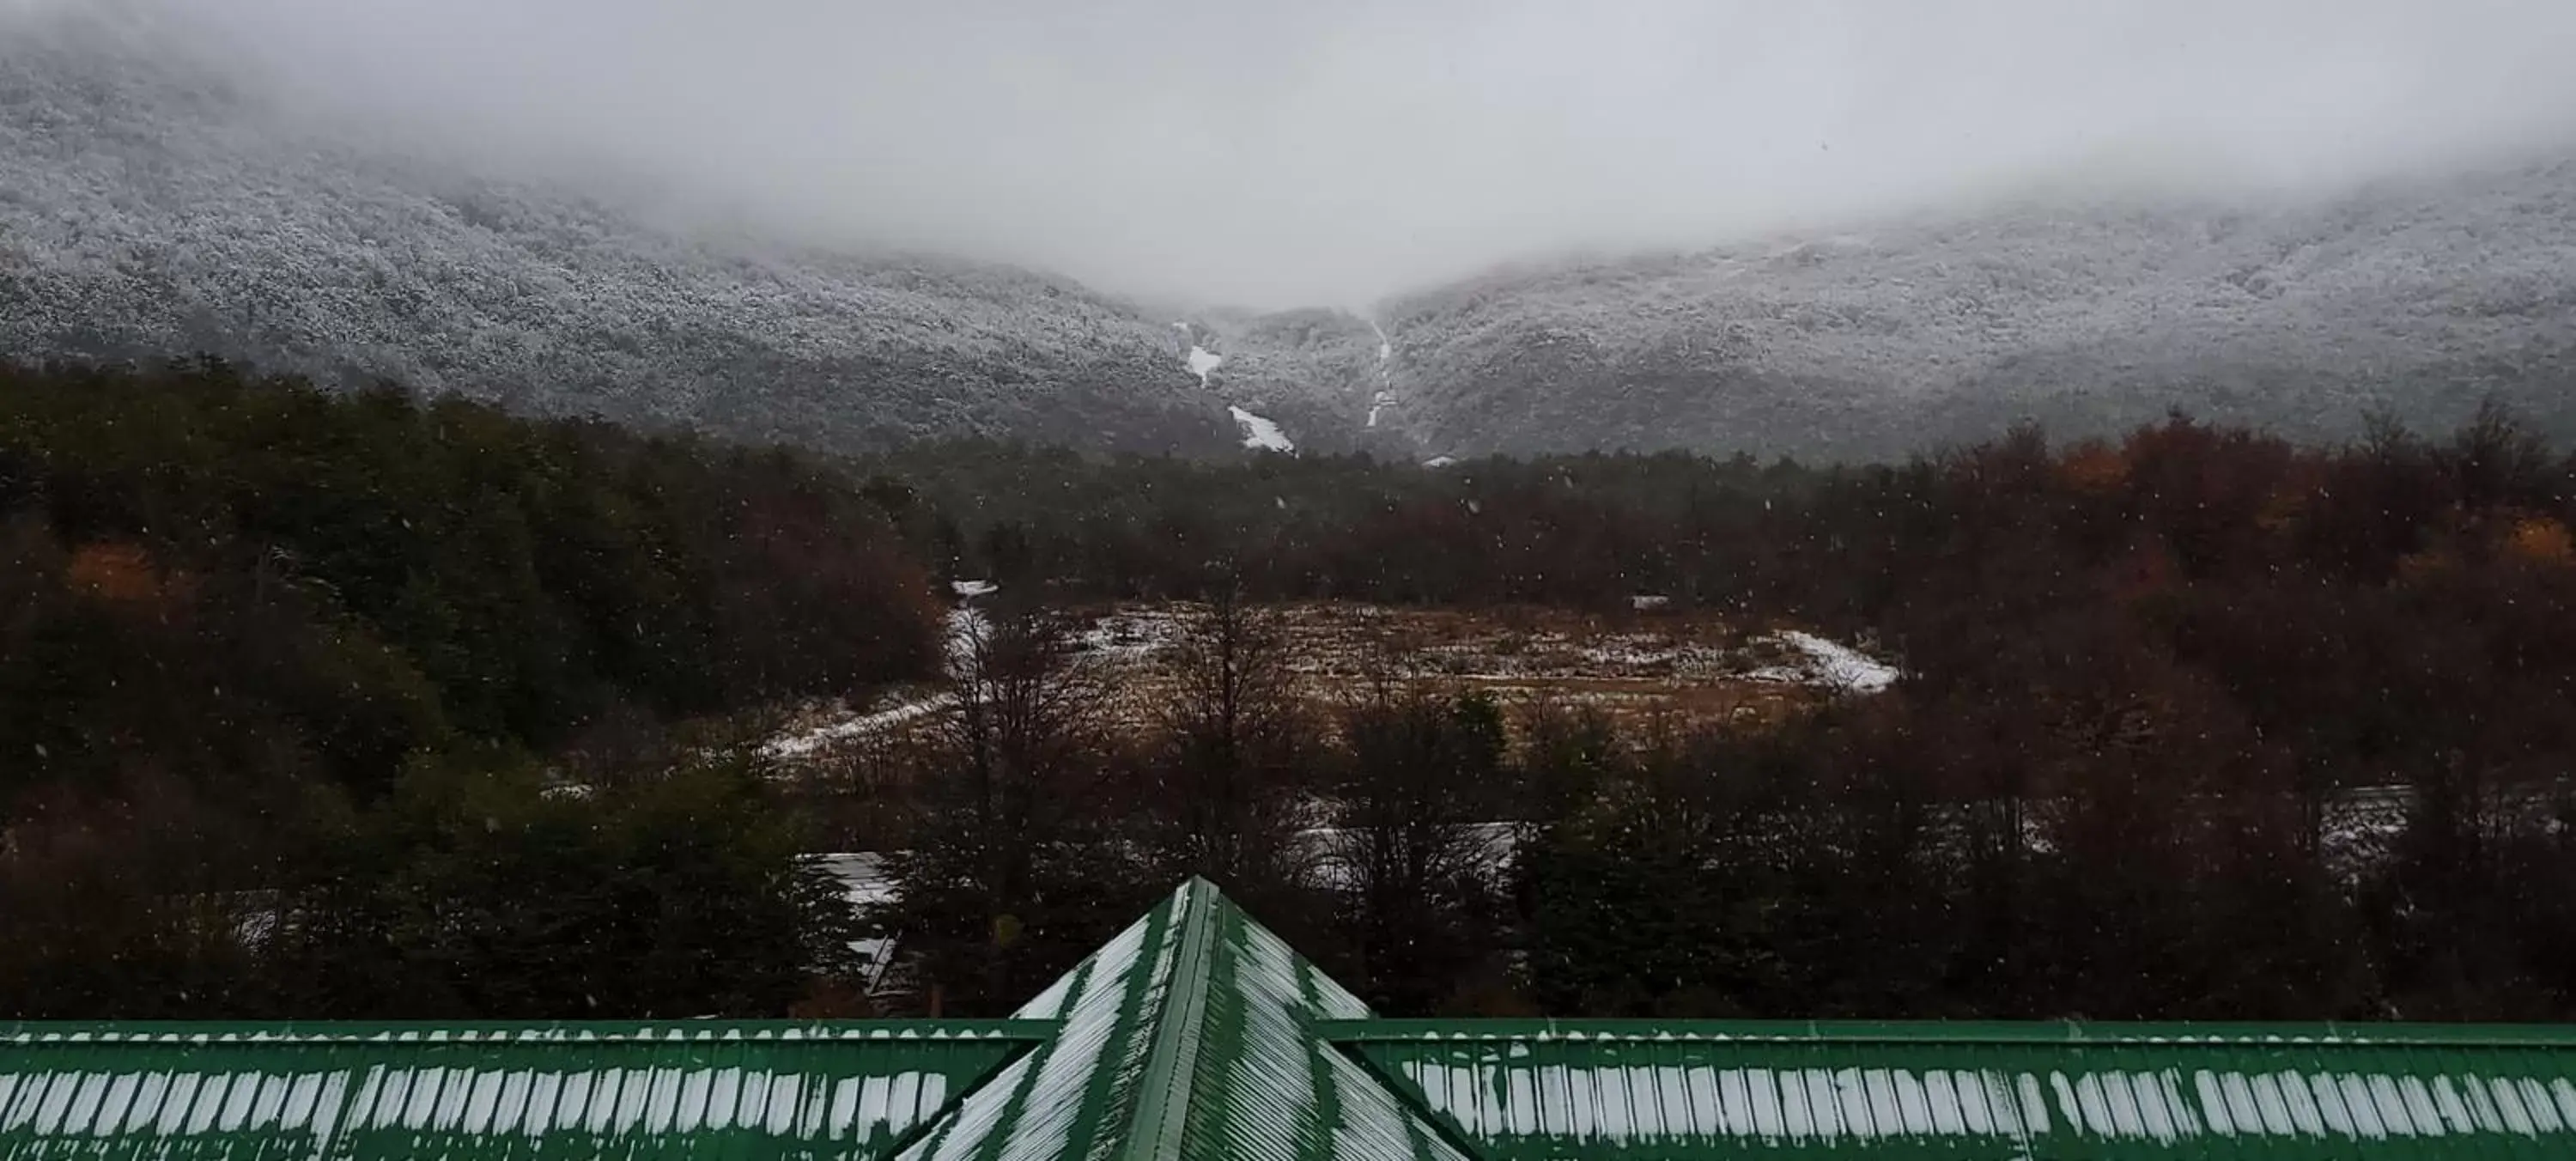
(1258, 431)
(1385, 374)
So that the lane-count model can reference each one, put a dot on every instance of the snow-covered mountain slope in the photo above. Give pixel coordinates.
(1315, 373)
(2417, 298)
(154, 203)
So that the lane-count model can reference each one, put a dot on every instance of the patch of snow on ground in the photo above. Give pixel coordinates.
(972, 588)
(1130, 633)
(889, 715)
(1261, 433)
(867, 882)
(1646, 656)
(966, 627)
(1830, 664)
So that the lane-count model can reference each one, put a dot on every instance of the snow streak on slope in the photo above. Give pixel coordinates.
(1258, 431)
(1385, 373)
(1261, 433)
(1203, 361)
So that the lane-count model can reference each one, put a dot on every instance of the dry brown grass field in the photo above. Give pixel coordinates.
(1670, 668)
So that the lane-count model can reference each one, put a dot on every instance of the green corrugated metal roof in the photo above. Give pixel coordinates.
(1196, 1035)
(1262, 1083)
(1189, 1035)
(1670, 1090)
(752, 1090)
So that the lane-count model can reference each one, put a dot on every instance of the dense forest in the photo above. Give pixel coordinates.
(2198, 724)
(297, 672)
(330, 705)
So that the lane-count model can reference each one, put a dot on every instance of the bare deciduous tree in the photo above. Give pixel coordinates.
(1011, 860)
(1226, 797)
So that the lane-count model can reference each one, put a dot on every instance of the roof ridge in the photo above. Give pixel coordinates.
(1079, 1096)
(1253, 1079)
(1155, 1130)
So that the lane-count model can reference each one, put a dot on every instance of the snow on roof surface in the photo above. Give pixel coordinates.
(353, 1091)
(1190, 1035)
(1987, 1091)
(1196, 1033)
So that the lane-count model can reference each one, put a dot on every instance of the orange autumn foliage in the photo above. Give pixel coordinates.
(2094, 468)
(117, 573)
(2540, 540)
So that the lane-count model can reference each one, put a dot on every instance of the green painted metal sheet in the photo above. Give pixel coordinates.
(1262, 1083)
(1075, 1096)
(1197, 1035)
(334, 1091)
(1613, 1089)
(1189, 1036)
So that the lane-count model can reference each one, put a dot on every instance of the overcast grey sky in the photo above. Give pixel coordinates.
(1330, 151)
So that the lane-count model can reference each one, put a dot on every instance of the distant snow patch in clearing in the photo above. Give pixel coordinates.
(1829, 664)
(1439, 461)
(867, 882)
(966, 630)
(869, 724)
(1131, 633)
(1261, 433)
(972, 588)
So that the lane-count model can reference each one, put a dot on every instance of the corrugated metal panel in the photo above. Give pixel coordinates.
(1190, 1036)
(1986, 1091)
(1264, 1084)
(771, 1090)
(1074, 1097)
(1196, 1035)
